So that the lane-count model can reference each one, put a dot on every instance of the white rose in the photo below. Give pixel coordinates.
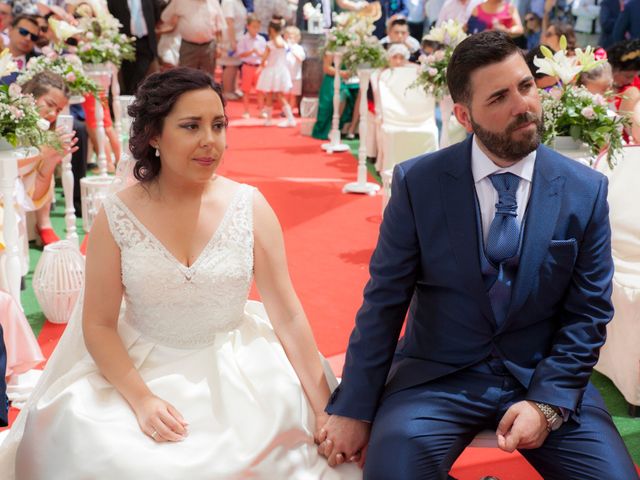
(43, 124)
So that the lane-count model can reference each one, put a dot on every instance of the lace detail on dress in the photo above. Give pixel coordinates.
(181, 306)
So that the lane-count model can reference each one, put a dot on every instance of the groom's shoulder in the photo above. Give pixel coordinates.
(432, 163)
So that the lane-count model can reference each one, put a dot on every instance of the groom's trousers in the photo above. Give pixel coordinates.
(419, 432)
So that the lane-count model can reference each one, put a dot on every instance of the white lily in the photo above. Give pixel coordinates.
(62, 29)
(557, 65)
(587, 59)
(7, 65)
(448, 33)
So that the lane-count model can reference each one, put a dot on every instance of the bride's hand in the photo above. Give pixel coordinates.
(160, 420)
(321, 419)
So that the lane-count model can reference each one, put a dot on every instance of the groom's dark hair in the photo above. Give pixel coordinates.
(473, 53)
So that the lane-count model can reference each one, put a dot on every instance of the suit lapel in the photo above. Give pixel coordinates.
(457, 190)
(542, 214)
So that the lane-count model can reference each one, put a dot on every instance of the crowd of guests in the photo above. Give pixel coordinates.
(612, 32)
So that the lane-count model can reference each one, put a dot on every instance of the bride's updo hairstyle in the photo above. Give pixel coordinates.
(154, 100)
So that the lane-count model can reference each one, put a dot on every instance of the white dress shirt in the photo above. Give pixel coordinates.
(482, 166)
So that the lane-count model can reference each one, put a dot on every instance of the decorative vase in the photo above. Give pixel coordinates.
(575, 149)
(58, 280)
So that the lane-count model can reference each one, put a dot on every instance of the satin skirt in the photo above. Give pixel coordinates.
(247, 413)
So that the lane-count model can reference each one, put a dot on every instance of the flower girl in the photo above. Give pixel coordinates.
(275, 79)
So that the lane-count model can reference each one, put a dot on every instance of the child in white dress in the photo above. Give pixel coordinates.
(275, 79)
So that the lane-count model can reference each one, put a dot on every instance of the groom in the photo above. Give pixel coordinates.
(499, 249)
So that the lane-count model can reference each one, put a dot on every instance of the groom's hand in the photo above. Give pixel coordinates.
(343, 439)
(522, 426)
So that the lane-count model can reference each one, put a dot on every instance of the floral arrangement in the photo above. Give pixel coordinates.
(20, 122)
(433, 67)
(102, 41)
(352, 34)
(349, 26)
(572, 110)
(364, 52)
(68, 66)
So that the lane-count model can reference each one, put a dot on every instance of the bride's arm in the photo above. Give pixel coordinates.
(284, 308)
(101, 309)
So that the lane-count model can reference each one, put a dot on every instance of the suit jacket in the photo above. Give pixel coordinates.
(427, 261)
(151, 11)
(609, 12)
(12, 77)
(628, 22)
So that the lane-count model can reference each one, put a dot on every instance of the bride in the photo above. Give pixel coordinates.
(185, 379)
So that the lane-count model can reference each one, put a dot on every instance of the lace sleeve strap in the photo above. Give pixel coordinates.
(110, 206)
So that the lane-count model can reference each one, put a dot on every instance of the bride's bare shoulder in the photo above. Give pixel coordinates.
(134, 194)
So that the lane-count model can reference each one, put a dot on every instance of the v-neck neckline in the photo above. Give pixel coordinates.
(225, 216)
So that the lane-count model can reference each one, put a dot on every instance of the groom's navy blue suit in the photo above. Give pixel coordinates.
(456, 371)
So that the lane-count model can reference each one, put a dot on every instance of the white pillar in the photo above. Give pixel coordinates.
(66, 122)
(361, 185)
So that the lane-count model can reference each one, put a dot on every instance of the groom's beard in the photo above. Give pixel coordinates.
(503, 146)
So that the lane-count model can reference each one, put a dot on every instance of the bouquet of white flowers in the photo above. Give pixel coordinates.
(102, 41)
(573, 111)
(433, 67)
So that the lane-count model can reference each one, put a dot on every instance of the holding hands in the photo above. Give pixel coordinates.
(343, 439)
(160, 420)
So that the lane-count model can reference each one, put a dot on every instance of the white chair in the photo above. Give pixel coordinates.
(406, 117)
(620, 355)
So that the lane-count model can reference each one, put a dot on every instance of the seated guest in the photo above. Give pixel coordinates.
(398, 55)
(532, 30)
(23, 34)
(398, 32)
(598, 80)
(624, 58)
(51, 96)
(553, 33)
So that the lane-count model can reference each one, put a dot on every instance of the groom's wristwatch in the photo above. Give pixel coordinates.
(552, 414)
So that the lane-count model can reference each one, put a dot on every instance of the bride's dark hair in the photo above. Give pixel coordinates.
(155, 98)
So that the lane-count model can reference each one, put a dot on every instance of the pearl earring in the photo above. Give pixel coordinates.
(157, 152)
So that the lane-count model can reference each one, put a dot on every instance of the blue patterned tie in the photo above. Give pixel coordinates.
(504, 233)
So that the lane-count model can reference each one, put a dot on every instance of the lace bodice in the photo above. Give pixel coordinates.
(181, 306)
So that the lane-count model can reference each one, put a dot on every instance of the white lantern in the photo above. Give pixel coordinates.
(58, 280)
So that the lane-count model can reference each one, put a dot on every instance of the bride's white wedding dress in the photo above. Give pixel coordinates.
(199, 345)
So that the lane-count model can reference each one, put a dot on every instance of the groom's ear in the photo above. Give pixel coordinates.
(463, 115)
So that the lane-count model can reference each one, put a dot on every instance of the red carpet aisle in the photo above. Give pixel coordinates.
(329, 235)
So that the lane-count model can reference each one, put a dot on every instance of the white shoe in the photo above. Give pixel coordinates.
(263, 114)
(246, 115)
(287, 123)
